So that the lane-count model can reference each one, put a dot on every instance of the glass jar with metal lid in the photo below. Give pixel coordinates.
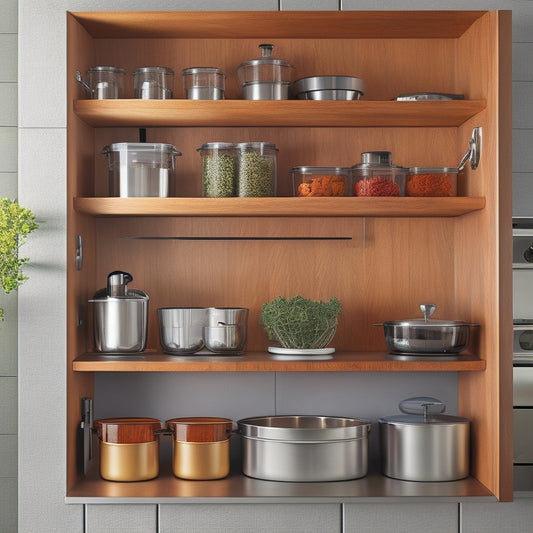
(219, 169)
(320, 181)
(431, 181)
(153, 83)
(103, 82)
(257, 169)
(203, 83)
(377, 176)
(265, 78)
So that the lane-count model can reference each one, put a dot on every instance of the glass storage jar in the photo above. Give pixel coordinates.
(320, 181)
(431, 181)
(257, 169)
(377, 176)
(153, 83)
(219, 169)
(203, 83)
(104, 82)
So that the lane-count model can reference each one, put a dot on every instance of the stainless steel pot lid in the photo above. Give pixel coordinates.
(427, 311)
(421, 411)
(303, 428)
(318, 83)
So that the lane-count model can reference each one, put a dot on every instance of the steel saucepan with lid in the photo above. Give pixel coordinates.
(424, 445)
(426, 337)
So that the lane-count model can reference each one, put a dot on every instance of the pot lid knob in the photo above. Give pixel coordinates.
(117, 283)
(427, 310)
(266, 50)
(422, 405)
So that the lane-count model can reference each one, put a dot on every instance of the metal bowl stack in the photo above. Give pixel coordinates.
(328, 88)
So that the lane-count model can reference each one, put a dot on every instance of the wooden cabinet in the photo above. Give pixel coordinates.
(380, 256)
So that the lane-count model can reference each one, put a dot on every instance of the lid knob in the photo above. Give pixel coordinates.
(117, 283)
(266, 49)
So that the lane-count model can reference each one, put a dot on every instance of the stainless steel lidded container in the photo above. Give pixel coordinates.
(424, 445)
(265, 78)
(304, 448)
(103, 82)
(153, 83)
(141, 169)
(120, 316)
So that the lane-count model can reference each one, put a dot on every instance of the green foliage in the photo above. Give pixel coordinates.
(16, 223)
(299, 323)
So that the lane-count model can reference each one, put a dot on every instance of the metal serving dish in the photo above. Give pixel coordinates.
(426, 337)
(328, 88)
(304, 448)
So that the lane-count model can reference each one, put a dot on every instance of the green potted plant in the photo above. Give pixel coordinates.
(16, 223)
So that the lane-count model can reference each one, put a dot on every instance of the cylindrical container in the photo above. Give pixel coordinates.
(129, 448)
(422, 445)
(304, 448)
(219, 169)
(226, 329)
(181, 329)
(377, 176)
(141, 169)
(153, 83)
(265, 78)
(120, 316)
(204, 83)
(257, 169)
(328, 88)
(105, 82)
(431, 181)
(320, 181)
(200, 447)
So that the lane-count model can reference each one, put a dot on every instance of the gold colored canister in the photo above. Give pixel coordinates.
(200, 447)
(129, 448)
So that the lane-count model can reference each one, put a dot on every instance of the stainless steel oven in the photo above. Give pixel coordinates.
(523, 356)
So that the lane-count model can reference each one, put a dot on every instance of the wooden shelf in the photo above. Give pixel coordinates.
(237, 488)
(290, 207)
(264, 362)
(304, 113)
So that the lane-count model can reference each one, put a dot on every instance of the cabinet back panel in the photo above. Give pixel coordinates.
(377, 268)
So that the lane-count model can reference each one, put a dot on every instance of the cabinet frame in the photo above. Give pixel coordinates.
(478, 224)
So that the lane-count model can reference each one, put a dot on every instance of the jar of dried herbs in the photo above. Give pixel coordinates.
(257, 169)
(219, 169)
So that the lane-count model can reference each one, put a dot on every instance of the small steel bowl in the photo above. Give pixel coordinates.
(225, 338)
(181, 329)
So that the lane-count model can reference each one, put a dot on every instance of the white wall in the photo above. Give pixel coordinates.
(42, 313)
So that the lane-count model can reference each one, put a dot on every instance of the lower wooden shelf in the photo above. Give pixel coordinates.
(237, 488)
(264, 362)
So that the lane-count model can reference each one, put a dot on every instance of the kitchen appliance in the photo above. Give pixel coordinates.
(265, 78)
(120, 316)
(153, 83)
(203, 83)
(328, 88)
(304, 448)
(523, 354)
(103, 82)
(129, 448)
(200, 447)
(424, 445)
(141, 169)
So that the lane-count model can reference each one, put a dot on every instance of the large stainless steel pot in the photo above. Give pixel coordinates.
(304, 448)
(424, 445)
(424, 336)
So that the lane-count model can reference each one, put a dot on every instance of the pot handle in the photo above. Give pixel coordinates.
(422, 405)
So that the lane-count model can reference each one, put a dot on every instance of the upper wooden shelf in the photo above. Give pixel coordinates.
(293, 207)
(264, 362)
(295, 113)
(278, 24)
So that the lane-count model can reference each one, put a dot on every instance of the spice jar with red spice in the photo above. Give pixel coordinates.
(377, 176)
(320, 181)
(431, 181)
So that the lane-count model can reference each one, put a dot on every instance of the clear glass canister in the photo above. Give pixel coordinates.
(203, 83)
(153, 83)
(431, 181)
(257, 169)
(320, 181)
(105, 82)
(377, 176)
(219, 169)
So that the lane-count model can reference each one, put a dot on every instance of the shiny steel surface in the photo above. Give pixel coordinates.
(225, 338)
(266, 90)
(304, 448)
(181, 329)
(319, 83)
(330, 94)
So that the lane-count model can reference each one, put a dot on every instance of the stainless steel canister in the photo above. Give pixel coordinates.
(120, 316)
(304, 448)
(424, 445)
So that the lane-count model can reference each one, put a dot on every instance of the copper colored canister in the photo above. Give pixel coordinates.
(129, 448)
(200, 447)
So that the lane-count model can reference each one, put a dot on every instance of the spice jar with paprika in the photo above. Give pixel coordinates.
(431, 181)
(320, 181)
(377, 176)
